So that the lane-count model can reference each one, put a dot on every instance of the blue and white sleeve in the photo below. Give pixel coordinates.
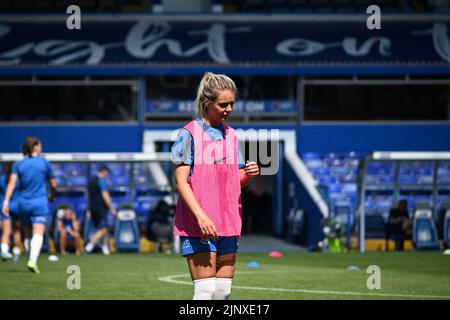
(182, 149)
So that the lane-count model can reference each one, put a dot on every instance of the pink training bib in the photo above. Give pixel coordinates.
(215, 182)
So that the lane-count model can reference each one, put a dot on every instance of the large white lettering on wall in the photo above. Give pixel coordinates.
(148, 41)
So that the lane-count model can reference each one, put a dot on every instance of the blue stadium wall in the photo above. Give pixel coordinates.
(71, 138)
(323, 138)
(365, 138)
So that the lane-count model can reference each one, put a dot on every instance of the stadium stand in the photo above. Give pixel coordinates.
(336, 177)
(385, 181)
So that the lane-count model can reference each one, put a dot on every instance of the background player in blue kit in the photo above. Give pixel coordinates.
(11, 222)
(32, 172)
(100, 202)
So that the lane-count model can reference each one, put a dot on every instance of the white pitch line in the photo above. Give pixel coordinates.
(171, 279)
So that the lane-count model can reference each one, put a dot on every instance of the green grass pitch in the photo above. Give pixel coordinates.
(296, 276)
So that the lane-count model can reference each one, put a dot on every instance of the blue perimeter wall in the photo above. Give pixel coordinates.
(74, 138)
(322, 138)
(365, 138)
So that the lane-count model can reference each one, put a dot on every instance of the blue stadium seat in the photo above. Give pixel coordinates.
(141, 180)
(118, 180)
(78, 181)
(328, 180)
(310, 155)
(424, 231)
(144, 204)
(386, 179)
(126, 231)
(443, 174)
(315, 164)
(120, 194)
(145, 199)
(407, 179)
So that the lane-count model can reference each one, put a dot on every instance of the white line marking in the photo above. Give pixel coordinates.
(171, 279)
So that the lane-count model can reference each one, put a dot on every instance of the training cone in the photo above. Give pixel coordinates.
(275, 254)
(253, 264)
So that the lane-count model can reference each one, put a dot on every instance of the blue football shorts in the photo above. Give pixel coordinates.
(220, 245)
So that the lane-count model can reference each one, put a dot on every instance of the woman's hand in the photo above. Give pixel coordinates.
(251, 168)
(207, 226)
(5, 208)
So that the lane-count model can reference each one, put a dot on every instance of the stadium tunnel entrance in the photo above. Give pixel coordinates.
(259, 203)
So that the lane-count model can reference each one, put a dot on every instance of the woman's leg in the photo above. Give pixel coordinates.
(77, 243)
(28, 234)
(6, 226)
(202, 267)
(35, 246)
(17, 240)
(17, 235)
(226, 265)
(105, 243)
(63, 241)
